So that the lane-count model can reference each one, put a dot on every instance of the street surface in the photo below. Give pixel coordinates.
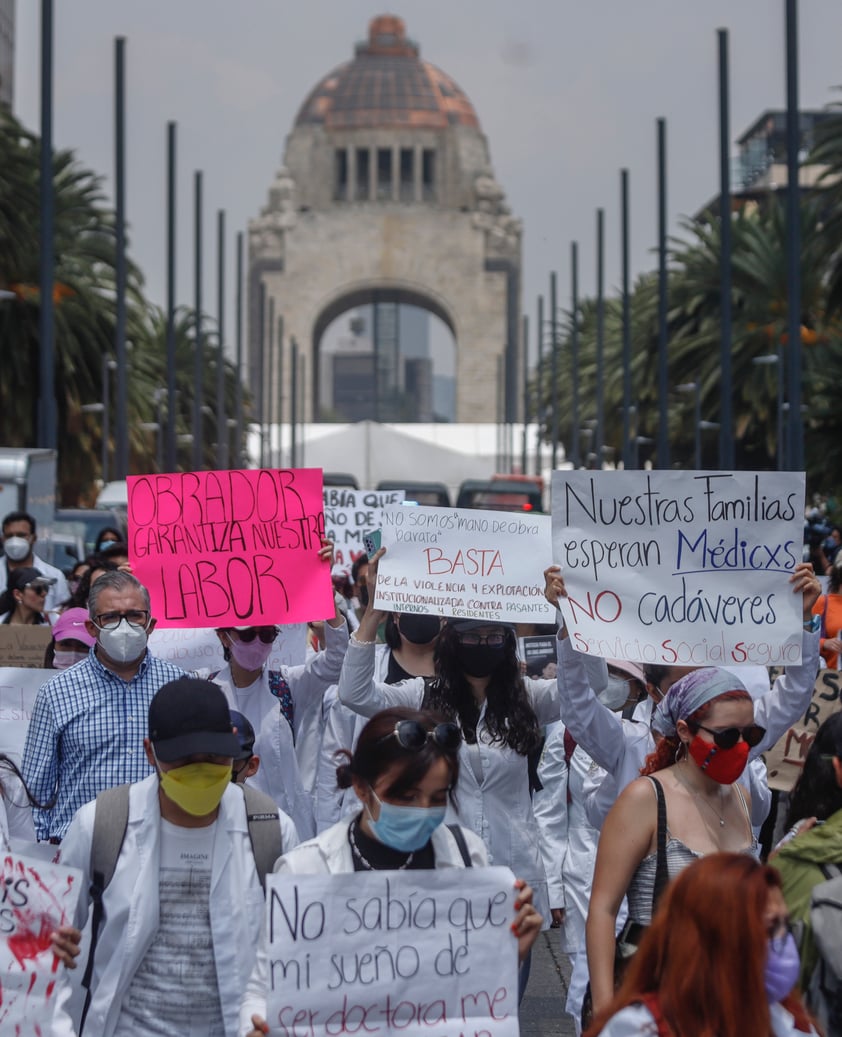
(542, 1011)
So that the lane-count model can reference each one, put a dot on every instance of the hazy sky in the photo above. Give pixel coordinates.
(567, 93)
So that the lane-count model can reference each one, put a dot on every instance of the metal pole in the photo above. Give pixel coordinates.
(628, 459)
(554, 366)
(238, 453)
(600, 336)
(121, 445)
(106, 416)
(221, 421)
(539, 410)
(47, 427)
(293, 417)
(726, 427)
(793, 241)
(574, 354)
(663, 344)
(270, 390)
(697, 411)
(280, 391)
(781, 431)
(198, 339)
(171, 415)
(525, 448)
(261, 355)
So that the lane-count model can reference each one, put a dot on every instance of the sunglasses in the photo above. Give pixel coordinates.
(729, 736)
(414, 736)
(266, 634)
(39, 588)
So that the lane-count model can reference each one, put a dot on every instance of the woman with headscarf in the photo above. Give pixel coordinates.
(705, 728)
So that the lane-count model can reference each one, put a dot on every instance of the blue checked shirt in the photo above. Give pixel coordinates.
(86, 735)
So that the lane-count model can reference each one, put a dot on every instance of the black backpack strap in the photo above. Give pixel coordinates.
(264, 824)
(459, 837)
(661, 870)
(111, 818)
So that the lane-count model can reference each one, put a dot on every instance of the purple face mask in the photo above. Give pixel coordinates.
(782, 968)
(251, 656)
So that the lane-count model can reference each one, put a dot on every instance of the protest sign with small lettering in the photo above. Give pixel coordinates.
(785, 760)
(471, 564)
(681, 568)
(23, 644)
(37, 897)
(409, 952)
(349, 513)
(230, 548)
(18, 688)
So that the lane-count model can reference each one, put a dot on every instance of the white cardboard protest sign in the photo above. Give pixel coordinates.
(471, 564)
(388, 952)
(199, 648)
(681, 568)
(349, 514)
(37, 898)
(18, 688)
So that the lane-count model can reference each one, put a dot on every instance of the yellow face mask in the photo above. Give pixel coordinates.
(196, 787)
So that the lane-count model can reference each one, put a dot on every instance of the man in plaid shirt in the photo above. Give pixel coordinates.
(88, 723)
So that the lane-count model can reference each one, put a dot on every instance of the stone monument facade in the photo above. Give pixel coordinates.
(387, 194)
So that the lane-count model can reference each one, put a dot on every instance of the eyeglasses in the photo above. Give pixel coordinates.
(414, 736)
(778, 932)
(39, 588)
(266, 634)
(472, 640)
(729, 736)
(111, 620)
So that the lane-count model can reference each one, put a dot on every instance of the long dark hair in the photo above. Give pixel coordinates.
(509, 715)
(79, 598)
(376, 753)
(816, 793)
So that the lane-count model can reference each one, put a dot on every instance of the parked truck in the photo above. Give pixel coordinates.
(28, 483)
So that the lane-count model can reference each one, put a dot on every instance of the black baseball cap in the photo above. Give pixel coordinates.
(190, 716)
(28, 577)
(245, 735)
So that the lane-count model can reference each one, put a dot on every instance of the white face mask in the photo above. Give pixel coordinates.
(62, 659)
(16, 548)
(125, 643)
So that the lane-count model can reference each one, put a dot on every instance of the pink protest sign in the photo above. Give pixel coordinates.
(236, 548)
(37, 898)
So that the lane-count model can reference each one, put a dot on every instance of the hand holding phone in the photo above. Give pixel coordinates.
(371, 542)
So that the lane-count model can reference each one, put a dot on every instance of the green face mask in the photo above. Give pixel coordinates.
(196, 787)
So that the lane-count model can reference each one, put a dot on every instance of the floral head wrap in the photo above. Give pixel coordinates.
(690, 693)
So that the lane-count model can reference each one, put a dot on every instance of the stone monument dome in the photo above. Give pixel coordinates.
(387, 196)
(387, 85)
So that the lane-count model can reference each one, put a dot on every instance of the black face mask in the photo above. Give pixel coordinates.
(480, 660)
(419, 629)
(362, 595)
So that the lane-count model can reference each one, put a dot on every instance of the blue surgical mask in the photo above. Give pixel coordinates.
(782, 968)
(405, 828)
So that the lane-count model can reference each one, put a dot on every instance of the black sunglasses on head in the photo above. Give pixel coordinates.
(728, 737)
(413, 735)
(266, 634)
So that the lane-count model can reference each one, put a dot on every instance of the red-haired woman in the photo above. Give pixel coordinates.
(718, 958)
(706, 728)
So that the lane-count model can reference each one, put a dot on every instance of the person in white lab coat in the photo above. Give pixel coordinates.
(177, 940)
(480, 687)
(404, 770)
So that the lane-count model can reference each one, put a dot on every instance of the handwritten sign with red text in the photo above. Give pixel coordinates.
(350, 513)
(460, 562)
(395, 952)
(785, 760)
(36, 898)
(231, 548)
(681, 568)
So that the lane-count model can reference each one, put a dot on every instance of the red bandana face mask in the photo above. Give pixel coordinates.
(723, 765)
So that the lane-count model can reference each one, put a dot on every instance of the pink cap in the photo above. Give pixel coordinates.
(631, 669)
(70, 625)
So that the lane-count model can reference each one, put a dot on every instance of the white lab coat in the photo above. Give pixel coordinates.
(131, 907)
(621, 746)
(330, 854)
(498, 808)
(288, 756)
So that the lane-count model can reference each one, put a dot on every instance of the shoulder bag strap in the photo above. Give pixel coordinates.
(459, 837)
(111, 818)
(661, 870)
(264, 826)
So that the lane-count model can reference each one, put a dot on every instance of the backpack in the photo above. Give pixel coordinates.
(111, 818)
(824, 994)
